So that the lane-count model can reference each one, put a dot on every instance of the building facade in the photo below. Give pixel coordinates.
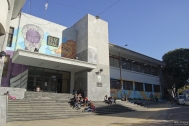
(61, 59)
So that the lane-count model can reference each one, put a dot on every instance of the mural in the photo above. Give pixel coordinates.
(119, 93)
(33, 36)
(67, 49)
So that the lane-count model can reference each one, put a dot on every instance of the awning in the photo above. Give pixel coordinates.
(51, 62)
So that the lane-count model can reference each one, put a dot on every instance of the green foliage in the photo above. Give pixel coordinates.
(176, 70)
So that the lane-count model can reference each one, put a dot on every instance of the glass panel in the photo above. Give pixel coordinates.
(31, 78)
(35, 71)
(53, 84)
(30, 85)
(46, 84)
(138, 86)
(127, 85)
(114, 84)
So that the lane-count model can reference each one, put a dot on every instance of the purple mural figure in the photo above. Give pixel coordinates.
(33, 36)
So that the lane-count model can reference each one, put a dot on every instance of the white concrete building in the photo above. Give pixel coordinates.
(60, 59)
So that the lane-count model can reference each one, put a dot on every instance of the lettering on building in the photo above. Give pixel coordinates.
(52, 41)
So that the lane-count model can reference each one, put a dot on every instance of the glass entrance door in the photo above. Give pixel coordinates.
(48, 80)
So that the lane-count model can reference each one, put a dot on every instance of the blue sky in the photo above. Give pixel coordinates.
(150, 27)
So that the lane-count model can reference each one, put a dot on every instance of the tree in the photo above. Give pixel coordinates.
(176, 70)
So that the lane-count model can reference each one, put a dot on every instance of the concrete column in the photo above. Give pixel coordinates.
(3, 40)
(72, 76)
(152, 88)
(134, 89)
(3, 110)
(144, 85)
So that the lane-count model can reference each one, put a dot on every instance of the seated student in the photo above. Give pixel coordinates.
(9, 96)
(111, 100)
(106, 99)
(85, 101)
(38, 89)
(91, 108)
(77, 104)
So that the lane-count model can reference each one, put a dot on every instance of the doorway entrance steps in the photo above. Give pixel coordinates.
(42, 106)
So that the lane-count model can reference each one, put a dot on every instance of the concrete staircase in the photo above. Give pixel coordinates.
(45, 106)
(119, 107)
(42, 106)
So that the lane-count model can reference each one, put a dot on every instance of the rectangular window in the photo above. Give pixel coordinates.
(114, 61)
(137, 67)
(148, 87)
(6, 65)
(147, 69)
(114, 84)
(138, 86)
(154, 71)
(127, 85)
(156, 88)
(126, 64)
(10, 37)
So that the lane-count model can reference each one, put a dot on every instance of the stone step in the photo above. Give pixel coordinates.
(45, 118)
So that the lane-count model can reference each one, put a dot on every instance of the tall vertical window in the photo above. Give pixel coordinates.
(126, 64)
(114, 84)
(127, 85)
(138, 86)
(6, 64)
(114, 61)
(156, 88)
(154, 71)
(137, 67)
(10, 37)
(148, 87)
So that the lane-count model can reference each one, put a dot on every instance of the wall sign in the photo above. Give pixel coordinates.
(52, 41)
(99, 84)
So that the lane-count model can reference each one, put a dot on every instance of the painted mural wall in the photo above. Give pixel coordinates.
(120, 93)
(137, 77)
(38, 35)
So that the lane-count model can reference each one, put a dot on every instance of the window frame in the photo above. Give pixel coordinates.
(128, 64)
(115, 62)
(6, 66)
(10, 35)
(147, 88)
(137, 63)
(156, 89)
(127, 85)
(116, 85)
(138, 86)
(154, 71)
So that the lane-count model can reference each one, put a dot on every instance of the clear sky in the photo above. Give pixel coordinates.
(150, 27)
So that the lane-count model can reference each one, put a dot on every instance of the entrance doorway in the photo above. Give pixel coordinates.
(48, 80)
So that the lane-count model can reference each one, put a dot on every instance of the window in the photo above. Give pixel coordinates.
(154, 71)
(156, 88)
(148, 87)
(114, 61)
(10, 37)
(5, 67)
(114, 84)
(126, 64)
(138, 86)
(137, 67)
(147, 69)
(127, 85)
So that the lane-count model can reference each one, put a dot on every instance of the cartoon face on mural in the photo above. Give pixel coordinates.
(33, 36)
(67, 49)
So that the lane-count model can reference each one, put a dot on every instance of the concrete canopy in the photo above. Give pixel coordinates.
(51, 62)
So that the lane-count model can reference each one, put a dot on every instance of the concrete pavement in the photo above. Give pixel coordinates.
(156, 115)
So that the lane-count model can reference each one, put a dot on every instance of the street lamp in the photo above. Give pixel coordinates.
(120, 65)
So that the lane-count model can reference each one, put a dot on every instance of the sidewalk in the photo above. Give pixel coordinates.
(153, 115)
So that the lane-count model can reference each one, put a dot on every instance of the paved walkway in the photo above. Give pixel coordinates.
(154, 116)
